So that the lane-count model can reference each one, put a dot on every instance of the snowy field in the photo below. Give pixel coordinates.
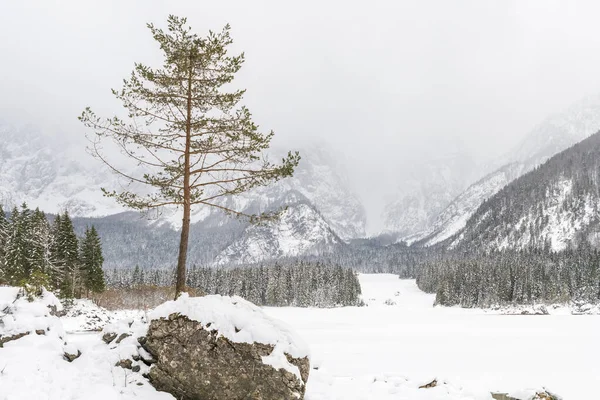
(383, 351)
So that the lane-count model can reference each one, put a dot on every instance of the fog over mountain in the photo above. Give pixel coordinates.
(392, 86)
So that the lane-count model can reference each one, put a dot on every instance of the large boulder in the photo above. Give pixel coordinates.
(216, 347)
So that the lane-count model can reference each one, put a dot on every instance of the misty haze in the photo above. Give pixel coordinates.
(323, 200)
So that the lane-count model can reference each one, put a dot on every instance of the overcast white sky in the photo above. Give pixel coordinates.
(388, 83)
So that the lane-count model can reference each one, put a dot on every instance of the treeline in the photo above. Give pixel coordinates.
(300, 284)
(513, 277)
(37, 252)
(367, 256)
(128, 240)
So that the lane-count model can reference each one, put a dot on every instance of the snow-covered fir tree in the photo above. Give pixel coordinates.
(4, 231)
(17, 256)
(35, 252)
(91, 260)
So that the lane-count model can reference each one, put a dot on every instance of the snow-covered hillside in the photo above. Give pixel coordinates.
(555, 205)
(454, 217)
(550, 137)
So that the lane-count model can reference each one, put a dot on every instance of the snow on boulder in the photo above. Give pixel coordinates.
(218, 347)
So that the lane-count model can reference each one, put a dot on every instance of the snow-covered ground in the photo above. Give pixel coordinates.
(383, 351)
(371, 352)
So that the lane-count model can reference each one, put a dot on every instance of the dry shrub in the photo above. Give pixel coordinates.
(141, 297)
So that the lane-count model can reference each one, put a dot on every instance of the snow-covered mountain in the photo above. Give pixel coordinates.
(454, 217)
(299, 230)
(424, 191)
(57, 176)
(556, 205)
(47, 173)
(550, 137)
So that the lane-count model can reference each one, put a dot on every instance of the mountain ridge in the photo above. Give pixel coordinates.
(556, 205)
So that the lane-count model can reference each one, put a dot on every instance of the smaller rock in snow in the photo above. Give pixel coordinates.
(126, 363)
(121, 337)
(70, 357)
(429, 385)
(109, 337)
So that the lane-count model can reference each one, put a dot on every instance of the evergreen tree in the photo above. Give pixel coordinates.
(17, 252)
(65, 256)
(34, 254)
(40, 241)
(136, 279)
(56, 259)
(4, 233)
(91, 261)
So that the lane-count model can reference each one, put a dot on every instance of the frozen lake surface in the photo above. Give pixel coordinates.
(386, 351)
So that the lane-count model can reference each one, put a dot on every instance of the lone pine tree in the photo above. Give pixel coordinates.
(193, 139)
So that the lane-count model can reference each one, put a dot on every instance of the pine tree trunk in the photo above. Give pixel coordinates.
(183, 245)
(185, 226)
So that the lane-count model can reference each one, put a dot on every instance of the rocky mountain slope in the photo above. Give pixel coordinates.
(556, 205)
(299, 230)
(550, 137)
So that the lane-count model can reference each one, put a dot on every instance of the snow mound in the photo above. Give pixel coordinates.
(19, 315)
(84, 316)
(236, 319)
(34, 362)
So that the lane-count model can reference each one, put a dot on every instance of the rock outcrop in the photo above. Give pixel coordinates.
(198, 363)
